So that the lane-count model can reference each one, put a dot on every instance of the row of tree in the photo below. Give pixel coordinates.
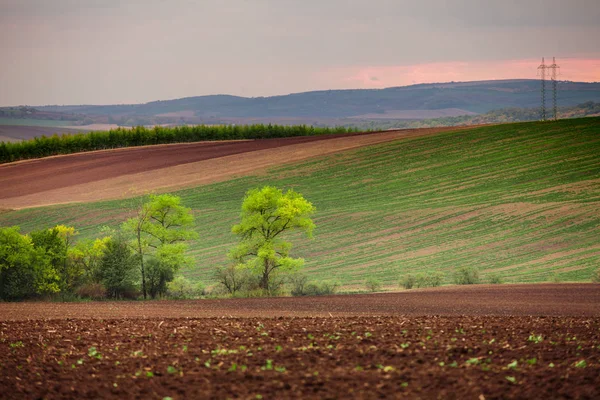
(139, 136)
(142, 256)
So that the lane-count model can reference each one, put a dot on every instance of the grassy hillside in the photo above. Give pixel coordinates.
(521, 200)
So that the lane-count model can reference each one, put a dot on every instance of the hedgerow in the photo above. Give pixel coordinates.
(140, 136)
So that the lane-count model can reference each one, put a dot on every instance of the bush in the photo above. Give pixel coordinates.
(232, 278)
(408, 281)
(182, 288)
(495, 279)
(372, 285)
(433, 279)
(301, 287)
(596, 276)
(298, 283)
(94, 291)
(466, 276)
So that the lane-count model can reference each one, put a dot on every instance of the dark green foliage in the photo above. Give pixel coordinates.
(466, 276)
(139, 136)
(118, 269)
(158, 274)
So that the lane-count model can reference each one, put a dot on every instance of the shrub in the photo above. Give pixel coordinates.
(304, 288)
(94, 291)
(408, 281)
(232, 278)
(495, 279)
(466, 276)
(298, 283)
(182, 288)
(433, 279)
(596, 276)
(372, 284)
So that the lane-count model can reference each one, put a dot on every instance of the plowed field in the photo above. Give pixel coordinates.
(520, 341)
(111, 174)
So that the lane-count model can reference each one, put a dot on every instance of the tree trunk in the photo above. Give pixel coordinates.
(264, 280)
(139, 237)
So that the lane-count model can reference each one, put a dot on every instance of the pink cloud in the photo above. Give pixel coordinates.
(573, 69)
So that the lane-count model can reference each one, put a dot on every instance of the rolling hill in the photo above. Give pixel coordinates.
(447, 99)
(517, 200)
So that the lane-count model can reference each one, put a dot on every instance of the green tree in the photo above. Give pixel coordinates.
(55, 243)
(87, 255)
(158, 274)
(118, 268)
(25, 270)
(160, 229)
(267, 214)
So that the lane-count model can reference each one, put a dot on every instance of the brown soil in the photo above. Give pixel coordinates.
(513, 341)
(110, 174)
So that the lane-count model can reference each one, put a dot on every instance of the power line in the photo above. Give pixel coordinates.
(554, 72)
(542, 72)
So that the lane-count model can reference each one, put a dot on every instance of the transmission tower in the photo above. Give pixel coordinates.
(542, 72)
(553, 73)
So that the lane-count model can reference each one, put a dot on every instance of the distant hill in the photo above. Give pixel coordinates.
(406, 102)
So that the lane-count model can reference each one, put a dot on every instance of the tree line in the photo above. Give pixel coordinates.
(143, 256)
(139, 259)
(140, 136)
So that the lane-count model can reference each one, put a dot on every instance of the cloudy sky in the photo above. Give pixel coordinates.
(131, 51)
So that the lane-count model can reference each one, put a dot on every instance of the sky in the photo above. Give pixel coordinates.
(134, 51)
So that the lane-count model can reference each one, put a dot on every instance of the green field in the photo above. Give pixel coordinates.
(520, 200)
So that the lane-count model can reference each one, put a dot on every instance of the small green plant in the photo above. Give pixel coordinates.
(16, 345)
(93, 352)
(268, 366)
(372, 285)
(512, 365)
(172, 370)
(466, 276)
(581, 364)
(511, 379)
(535, 338)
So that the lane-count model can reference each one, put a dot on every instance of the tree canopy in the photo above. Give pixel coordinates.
(160, 228)
(267, 214)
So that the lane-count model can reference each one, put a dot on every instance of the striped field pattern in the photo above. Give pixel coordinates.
(518, 200)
